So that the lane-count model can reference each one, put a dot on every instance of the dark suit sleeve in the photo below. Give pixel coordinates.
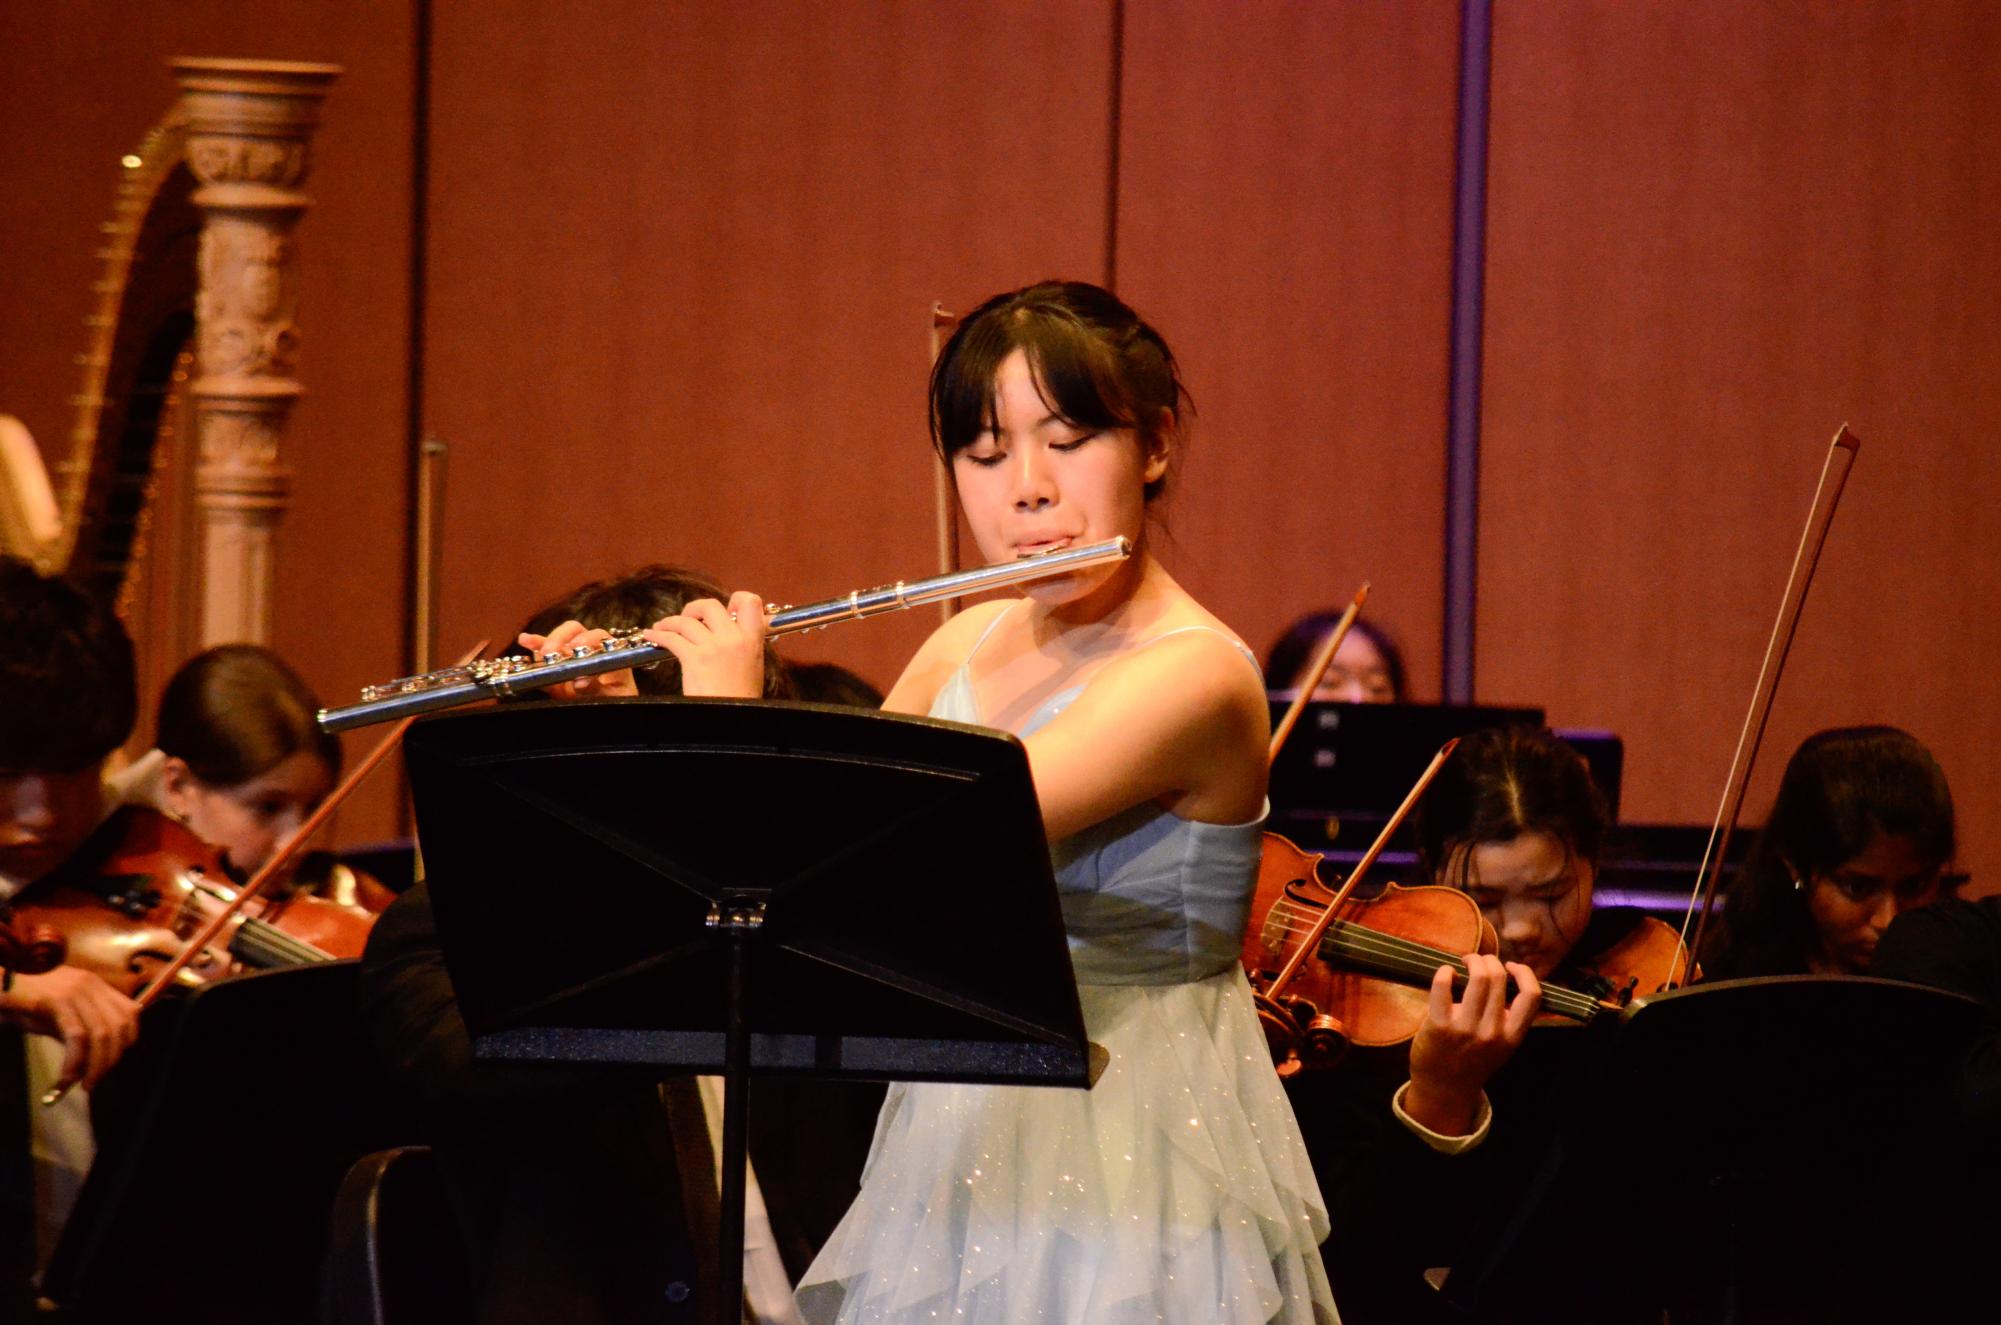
(1395, 1206)
(413, 1021)
(1956, 946)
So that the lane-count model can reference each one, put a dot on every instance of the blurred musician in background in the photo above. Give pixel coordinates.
(632, 601)
(67, 701)
(240, 760)
(1367, 668)
(1409, 1145)
(581, 1196)
(1860, 831)
(831, 683)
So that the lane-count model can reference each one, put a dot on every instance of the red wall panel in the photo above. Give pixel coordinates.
(1285, 210)
(682, 264)
(1718, 231)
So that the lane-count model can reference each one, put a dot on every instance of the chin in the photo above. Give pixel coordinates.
(1062, 590)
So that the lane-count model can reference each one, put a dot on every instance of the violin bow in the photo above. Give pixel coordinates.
(1827, 496)
(271, 868)
(1311, 681)
(1311, 943)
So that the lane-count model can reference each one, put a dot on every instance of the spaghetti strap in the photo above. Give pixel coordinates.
(999, 617)
(1235, 643)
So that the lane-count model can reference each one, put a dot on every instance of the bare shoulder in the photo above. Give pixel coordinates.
(1202, 664)
(940, 654)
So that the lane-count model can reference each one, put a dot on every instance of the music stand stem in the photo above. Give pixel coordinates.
(737, 919)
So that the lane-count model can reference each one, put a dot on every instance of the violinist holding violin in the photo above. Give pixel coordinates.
(67, 701)
(1410, 1145)
(241, 762)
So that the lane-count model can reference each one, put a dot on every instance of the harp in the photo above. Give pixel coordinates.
(170, 495)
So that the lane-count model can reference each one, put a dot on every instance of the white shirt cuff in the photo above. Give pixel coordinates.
(1445, 1145)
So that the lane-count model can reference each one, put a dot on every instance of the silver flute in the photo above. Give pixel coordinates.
(490, 678)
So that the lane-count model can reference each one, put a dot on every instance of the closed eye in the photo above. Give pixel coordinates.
(1073, 443)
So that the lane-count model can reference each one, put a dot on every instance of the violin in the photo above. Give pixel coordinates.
(1329, 970)
(130, 901)
(1368, 980)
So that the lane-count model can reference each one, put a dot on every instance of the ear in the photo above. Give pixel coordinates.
(1158, 447)
(178, 787)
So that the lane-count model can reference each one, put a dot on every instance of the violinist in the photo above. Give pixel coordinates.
(1410, 1144)
(1861, 830)
(1368, 668)
(241, 762)
(68, 694)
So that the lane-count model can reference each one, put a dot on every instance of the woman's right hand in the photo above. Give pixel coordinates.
(95, 1022)
(1465, 1041)
(570, 635)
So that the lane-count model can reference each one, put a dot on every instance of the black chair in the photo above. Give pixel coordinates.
(393, 1253)
(222, 1138)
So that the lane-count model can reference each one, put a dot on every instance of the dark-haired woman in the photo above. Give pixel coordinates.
(1860, 831)
(1177, 1188)
(1367, 668)
(242, 761)
(1411, 1144)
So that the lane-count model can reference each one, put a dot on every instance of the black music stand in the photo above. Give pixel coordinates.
(1748, 1151)
(746, 887)
(178, 1220)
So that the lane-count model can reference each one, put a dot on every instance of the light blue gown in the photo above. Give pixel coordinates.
(1175, 1190)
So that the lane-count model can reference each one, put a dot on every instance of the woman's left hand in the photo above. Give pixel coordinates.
(720, 649)
(1464, 1041)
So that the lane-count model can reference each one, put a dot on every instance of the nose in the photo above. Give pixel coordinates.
(1518, 929)
(29, 806)
(287, 822)
(1888, 908)
(1034, 484)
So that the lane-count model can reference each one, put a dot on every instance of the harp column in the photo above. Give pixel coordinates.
(249, 126)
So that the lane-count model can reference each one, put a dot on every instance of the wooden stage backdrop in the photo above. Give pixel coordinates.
(678, 260)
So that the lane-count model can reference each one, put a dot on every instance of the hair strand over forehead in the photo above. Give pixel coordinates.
(1095, 363)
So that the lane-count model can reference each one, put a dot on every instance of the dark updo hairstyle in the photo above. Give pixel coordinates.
(634, 601)
(1095, 362)
(1841, 788)
(1302, 640)
(236, 712)
(1506, 781)
(68, 696)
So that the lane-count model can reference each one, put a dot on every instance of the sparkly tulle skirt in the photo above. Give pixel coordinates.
(1175, 1190)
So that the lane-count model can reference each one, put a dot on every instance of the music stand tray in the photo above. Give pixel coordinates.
(744, 886)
